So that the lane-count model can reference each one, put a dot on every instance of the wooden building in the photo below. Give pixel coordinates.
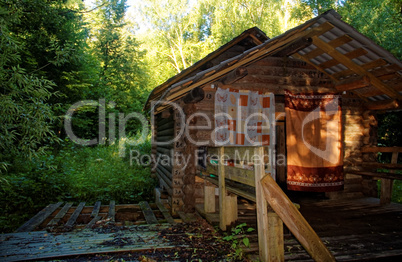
(323, 55)
(324, 58)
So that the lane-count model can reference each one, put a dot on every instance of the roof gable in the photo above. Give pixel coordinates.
(350, 59)
(248, 39)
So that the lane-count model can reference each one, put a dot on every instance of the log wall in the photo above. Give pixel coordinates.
(272, 74)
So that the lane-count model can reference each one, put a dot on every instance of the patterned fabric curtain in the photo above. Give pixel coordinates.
(243, 118)
(314, 142)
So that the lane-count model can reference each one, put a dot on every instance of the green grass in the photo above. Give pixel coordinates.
(73, 174)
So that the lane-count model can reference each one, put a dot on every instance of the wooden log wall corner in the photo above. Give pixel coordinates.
(163, 150)
(190, 169)
(178, 170)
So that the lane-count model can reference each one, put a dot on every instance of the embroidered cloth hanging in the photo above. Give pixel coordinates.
(314, 144)
(243, 118)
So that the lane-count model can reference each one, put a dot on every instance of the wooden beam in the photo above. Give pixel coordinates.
(334, 43)
(270, 240)
(60, 215)
(39, 218)
(376, 149)
(352, 54)
(194, 96)
(356, 68)
(383, 105)
(112, 210)
(353, 84)
(96, 209)
(222, 191)
(71, 221)
(367, 66)
(294, 47)
(165, 213)
(148, 213)
(377, 175)
(382, 165)
(296, 223)
(235, 75)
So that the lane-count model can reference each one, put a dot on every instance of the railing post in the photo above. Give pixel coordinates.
(270, 226)
(227, 203)
(222, 190)
(386, 184)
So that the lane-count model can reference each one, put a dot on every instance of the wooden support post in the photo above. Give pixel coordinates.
(222, 190)
(296, 223)
(231, 209)
(209, 199)
(386, 184)
(270, 228)
(276, 246)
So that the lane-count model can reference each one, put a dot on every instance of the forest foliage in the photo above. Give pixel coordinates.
(54, 53)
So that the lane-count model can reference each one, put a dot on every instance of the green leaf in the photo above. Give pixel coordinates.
(246, 242)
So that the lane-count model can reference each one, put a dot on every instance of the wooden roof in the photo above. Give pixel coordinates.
(354, 62)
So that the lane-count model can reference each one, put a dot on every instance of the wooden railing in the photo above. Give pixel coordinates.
(387, 178)
(273, 206)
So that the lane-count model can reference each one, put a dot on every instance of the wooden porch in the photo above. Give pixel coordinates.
(352, 229)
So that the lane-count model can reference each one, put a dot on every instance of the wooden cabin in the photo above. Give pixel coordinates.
(324, 56)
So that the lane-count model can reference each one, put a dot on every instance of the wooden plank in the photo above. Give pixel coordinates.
(112, 210)
(43, 245)
(96, 209)
(268, 248)
(376, 149)
(166, 132)
(237, 174)
(240, 175)
(356, 68)
(380, 175)
(60, 215)
(93, 221)
(351, 55)
(71, 221)
(383, 105)
(296, 223)
(148, 213)
(39, 218)
(275, 236)
(222, 191)
(231, 209)
(367, 66)
(209, 199)
(243, 153)
(334, 43)
(382, 165)
(165, 213)
(164, 184)
(234, 190)
(165, 126)
(162, 175)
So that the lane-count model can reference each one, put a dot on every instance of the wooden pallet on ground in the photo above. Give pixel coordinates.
(59, 217)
